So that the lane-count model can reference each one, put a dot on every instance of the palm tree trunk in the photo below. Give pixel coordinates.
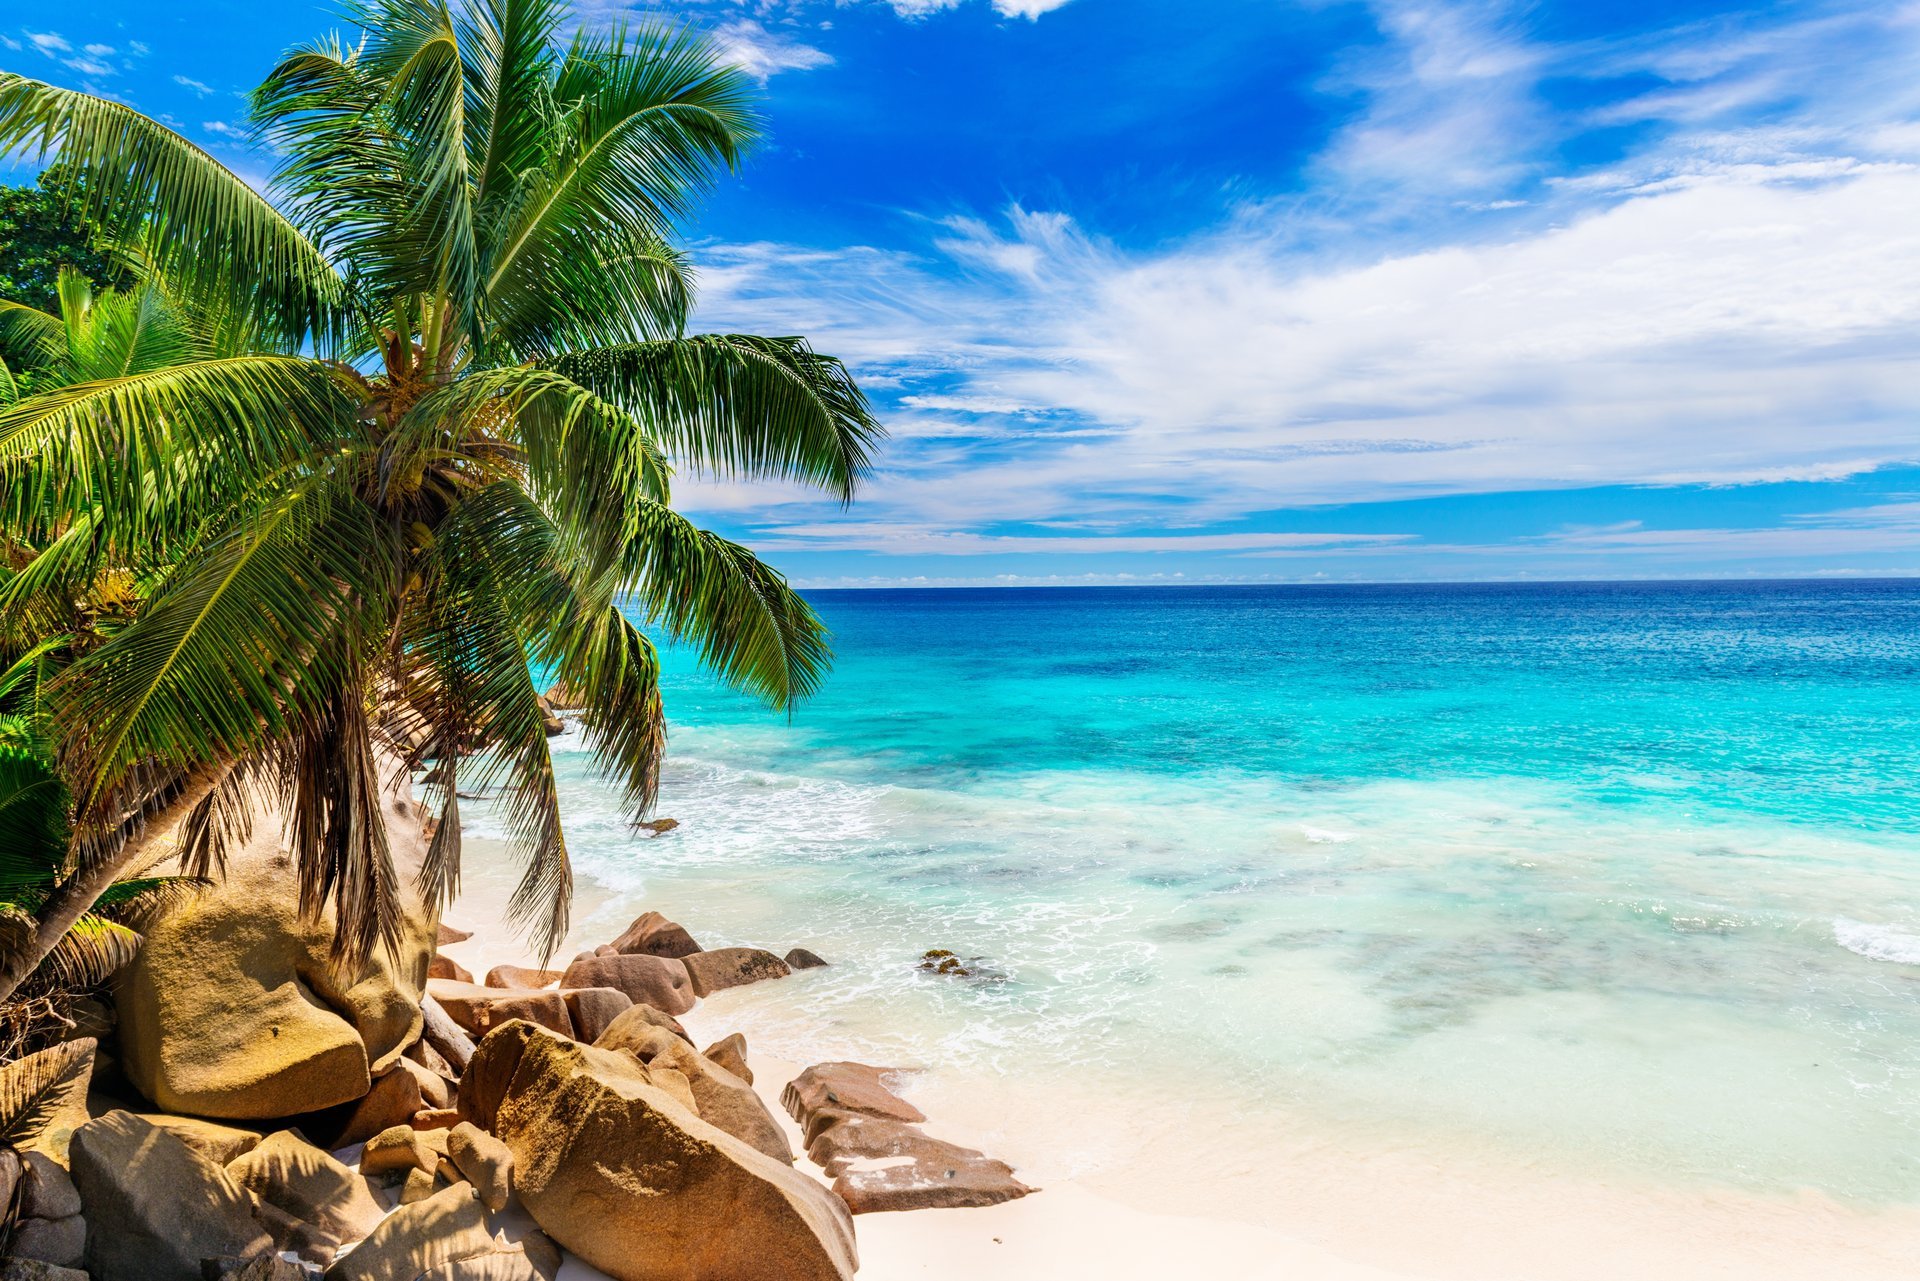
(77, 894)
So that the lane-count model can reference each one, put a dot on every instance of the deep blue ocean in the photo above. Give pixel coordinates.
(1605, 876)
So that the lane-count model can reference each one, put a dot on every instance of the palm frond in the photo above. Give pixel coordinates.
(221, 232)
(44, 1094)
(91, 952)
(739, 406)
(751, 628)
(644, 118)
(116, 441)
(237, 648)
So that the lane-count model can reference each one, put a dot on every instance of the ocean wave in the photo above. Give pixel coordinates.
(1877, 942)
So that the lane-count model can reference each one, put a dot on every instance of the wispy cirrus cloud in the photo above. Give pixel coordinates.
(763, 53)
(1734, 300)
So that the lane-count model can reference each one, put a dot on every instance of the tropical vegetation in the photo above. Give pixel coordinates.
(349, 469)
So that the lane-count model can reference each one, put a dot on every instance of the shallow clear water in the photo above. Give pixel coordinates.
(1615, 877)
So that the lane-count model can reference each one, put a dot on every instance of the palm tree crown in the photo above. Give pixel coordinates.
(407, 441)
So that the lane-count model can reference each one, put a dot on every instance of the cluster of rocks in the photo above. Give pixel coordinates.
(258, 1113)
(654, 962)
(868, 1140)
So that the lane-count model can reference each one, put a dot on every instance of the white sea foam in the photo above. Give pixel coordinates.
(1322, 836)
(1877, 942)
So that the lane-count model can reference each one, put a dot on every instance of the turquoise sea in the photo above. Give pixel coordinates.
(1608, 877)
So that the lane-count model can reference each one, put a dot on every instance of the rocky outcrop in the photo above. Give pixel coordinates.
(868, 1140)
(19, 1268)
(395, 1098)
(881, 1164)
(563, 698)
(845, 1087)
(593, 1010)
(722, 1098)
(156, 1207)
(446, 1227)
(477, 1009)
(619, 1173)
(445, 967)
(218, 1143)
(484, 1160)
(520, 976)
(652, 934)
(801, 959)
(234, 1009)
(727, 967)
(730, 1052)
(287, 1172)
(402, 1147)
(658, 981)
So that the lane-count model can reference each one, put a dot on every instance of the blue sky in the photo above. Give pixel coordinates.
(1225, 290)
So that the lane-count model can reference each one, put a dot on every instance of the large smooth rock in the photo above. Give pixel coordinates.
(520, 976)
(311, 1242)
(396, 1096)
(730, 1052)
(155, 1206)
(61, 1242)
(46, 1189)
(478, 1009)
(484, 1160)
(445, 967)
(727, 967)
(593, 1010)
(447, 1226)
(288, 1172)
(877, 1163)
(844, 1087)
(620, 1174)
(233, 1008)
(404, 1148)
(652, 934)
(800, 959)
(19, 1269)
(721, 1098)
(658, 981)
(218, 1143)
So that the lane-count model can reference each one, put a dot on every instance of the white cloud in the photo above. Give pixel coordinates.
(187, 82)
(763, 53)
(904, 538)
(12, 44)
(100, 50)
(1448, 103)
(224, 129)
(138, 48)
(48, 42)
(1742, 326)
(88, 66)
(1028, 9)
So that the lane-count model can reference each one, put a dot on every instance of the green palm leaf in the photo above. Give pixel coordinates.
(222, 234)
(738, 405)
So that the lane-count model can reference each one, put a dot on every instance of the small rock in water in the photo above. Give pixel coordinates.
(939, 960)
(658, 826)
(801, 959)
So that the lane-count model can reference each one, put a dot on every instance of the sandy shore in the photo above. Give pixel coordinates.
(1187, 1186)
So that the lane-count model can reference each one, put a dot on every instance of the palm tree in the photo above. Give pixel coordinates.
(419, 454)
